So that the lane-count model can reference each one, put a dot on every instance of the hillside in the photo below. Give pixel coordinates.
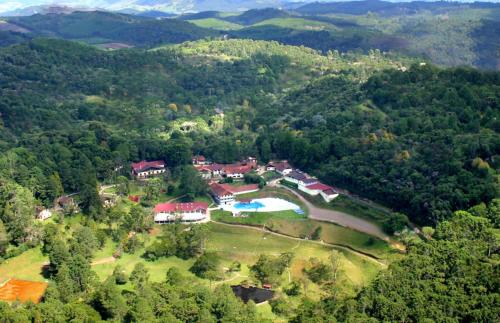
(403, 141)
(448, 34)
(102, 27)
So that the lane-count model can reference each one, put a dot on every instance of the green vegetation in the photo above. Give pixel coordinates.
(419, 139)
(214, 23)
(297, 23)
(292, 224)
(112, 27)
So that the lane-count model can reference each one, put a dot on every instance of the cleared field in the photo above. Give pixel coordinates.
(297, 23)
(27, 265)
(22, 290)
(214, 23)
(230, 243)
(295, 225)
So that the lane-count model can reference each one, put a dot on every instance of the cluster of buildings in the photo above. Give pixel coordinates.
(209, 170)
(310, 185)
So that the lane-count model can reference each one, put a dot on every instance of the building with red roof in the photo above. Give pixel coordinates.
(185, 212)
(237, 170)
(220, 194)
(327, 192)
(242, 189)
(199, 160)
(145, 169)
(281, 167)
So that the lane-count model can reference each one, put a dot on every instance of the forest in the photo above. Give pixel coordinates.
(417, 138)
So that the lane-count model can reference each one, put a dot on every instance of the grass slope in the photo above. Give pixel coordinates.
(297, 23)
(214, 23)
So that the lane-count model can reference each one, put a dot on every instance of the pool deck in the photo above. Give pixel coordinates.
(268, 205)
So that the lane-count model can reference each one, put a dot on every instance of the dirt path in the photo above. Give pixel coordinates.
(358, 253)
(340, 218)
(107, 260)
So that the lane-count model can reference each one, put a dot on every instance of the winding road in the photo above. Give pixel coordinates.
(340, 218)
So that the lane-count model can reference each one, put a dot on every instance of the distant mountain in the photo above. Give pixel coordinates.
(99, 27)
(389, 8)
(28, 7)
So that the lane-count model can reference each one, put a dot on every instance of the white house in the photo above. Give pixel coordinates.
(145, 169)
(327, 192)
(283, 168)
(220, 194)
(299, 178)
(185, 212)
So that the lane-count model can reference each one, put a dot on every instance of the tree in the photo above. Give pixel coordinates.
(137, 220)
(395, 223)
(191, 183)
(4, 239)
(268, 269)
(17, 208)
(174, 276)
(122, 185)
(120, 275)
(84, 242)
(81, 273)
(139, 276)
(153, 189)
(316, 235)
(109, 302)
(318, 271)
(58, 255)
(206, 266)
(65, 284)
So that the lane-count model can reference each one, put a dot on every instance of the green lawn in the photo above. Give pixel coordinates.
(230, 243)
(27, 265)
(292, 224)
(297, 23)
(214, 23)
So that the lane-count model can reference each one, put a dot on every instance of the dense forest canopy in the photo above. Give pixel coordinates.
(446, 33)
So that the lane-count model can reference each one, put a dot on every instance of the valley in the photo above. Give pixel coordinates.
(314, 163)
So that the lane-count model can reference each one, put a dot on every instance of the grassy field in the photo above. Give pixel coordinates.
(297, 23)
(292, 224)
(231, 244)
(255, 218)
(214, 23)
(27, 265)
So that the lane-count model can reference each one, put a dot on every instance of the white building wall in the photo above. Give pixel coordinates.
(329, 198)
(308, 191)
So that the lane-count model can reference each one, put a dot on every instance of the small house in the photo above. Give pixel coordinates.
(145, 169)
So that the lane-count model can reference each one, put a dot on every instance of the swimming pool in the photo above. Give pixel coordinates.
(267, 204)
(254, 205)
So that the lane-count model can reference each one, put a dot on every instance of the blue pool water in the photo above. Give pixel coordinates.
(248, 206)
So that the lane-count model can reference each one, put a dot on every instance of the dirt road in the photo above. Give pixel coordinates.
(341, 218)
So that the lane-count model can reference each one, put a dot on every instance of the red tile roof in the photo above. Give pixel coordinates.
(237, 169)
(137, 167)
(281, 166)
(219, 190)
(319, 187)
(239, 189)
(180, 207)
